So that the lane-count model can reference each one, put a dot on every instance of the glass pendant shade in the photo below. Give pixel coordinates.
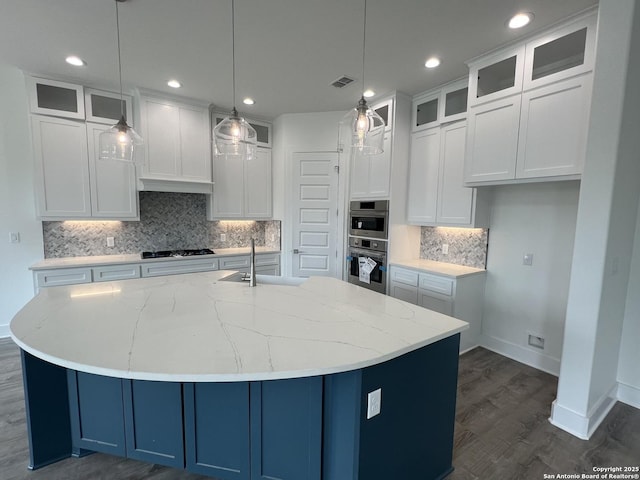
(118, 142)
(234, 136)
(363, 129)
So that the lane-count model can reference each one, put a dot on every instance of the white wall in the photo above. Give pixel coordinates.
(629, 359)
(17, 204)
(300, 132)
(536, 218)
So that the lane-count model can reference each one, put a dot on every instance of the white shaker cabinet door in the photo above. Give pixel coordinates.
(257, 186)
(423, 176)
(195, 153)
(62, 170)
(380, 170)
(113, 184)
(553, 129)
(161, 138)
(455, 202)
(492, 140)
(228, 187)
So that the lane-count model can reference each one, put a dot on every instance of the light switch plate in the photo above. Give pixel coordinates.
(374, 400)
(14, 237)
(527, 259)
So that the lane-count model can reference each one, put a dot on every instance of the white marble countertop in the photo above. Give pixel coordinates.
(195, 328)
(97, 260)
(439, 268)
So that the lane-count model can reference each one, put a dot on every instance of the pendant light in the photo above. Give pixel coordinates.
(233, 135)
(364, 127)
(118, 142)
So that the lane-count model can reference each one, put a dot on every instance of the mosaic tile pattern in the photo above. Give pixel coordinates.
(168, 221)
(467, 246)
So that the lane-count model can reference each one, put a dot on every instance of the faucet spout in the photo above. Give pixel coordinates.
(252, 272)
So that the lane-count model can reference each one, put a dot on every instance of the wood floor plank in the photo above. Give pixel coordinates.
(501, 432)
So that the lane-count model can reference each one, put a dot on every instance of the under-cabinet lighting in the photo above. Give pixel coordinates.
(75, 61)
(459, 230)
(237, 222)
(94, 294)
(519, 20)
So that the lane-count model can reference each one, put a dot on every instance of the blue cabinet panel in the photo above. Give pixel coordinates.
(217, 429)
(412, 437)
(153, 414)
(286, 429)
(47, 410)
(97, 419)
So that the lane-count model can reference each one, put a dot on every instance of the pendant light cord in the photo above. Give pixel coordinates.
(119, 59)
(364, 42)
(233, 51)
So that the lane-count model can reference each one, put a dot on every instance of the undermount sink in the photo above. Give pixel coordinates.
(264, 279)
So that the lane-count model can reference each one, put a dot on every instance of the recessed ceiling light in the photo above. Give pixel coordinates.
(174, 84)
(368, 93)
(519, 20)
(248, 101)
(432, 62)
(75, 61)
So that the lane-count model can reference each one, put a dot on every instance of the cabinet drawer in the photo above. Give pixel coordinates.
(267, 259)
(269, 270)
(404, 292)
(407, 277)
(436, 284)
(176, 267)
(63, 276)
(437, 304)
(233, 263)
(115, 272)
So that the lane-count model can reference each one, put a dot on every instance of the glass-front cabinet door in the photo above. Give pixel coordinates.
(497, 76)
(105, 107)
(50, 97)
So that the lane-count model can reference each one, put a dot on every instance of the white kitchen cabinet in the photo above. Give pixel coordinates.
(61, 276)
(242, 189)
(436, 192)
(371, 174)
(107, 273)
(460, 297)
(529, 108)
(177, 140)
(447, 103)
(113, 184)
(553, 128)
(50, 97)
(263, 129)
(266, 263)
(62, 168)
(106, 107)
(156, 269)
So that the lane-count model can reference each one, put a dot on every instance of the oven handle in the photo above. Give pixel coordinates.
(378, 258)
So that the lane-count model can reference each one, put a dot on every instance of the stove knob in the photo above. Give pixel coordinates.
(375, 245)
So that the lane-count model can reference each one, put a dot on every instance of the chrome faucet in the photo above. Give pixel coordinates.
(252, 272)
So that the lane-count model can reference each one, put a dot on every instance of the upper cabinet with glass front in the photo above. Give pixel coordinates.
(106, 107)
(444, 104)
(50, 97)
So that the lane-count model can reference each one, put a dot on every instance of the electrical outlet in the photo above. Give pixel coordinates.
(223, 237)
(445, 249)
(527, 259)
(110, 242)
(374, 401)
(273, 237)
(14, 237)
(536, 341)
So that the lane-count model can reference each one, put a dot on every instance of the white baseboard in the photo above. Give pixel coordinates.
(4, 331)
(521, 354)
(629, 395)
(580, 425)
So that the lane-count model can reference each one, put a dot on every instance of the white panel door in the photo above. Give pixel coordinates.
(492, 140)
(315, 220)
(423, 176)
(113, 184)
(553, 129)
(454, 200)
(62, 167)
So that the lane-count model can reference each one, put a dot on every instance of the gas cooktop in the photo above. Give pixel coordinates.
(177, 253)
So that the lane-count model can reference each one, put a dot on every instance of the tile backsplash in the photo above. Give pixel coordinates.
(467, 246)
(167, 221)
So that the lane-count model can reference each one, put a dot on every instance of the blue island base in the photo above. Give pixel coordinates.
(312, 428)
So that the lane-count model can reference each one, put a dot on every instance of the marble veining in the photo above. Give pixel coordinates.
(467, 246)
(168, 221)
(196, 327)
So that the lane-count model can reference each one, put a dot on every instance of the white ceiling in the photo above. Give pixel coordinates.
(287, 51)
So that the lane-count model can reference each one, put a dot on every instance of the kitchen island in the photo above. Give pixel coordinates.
(234, 382)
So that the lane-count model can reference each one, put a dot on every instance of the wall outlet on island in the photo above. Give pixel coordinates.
(374, 401)
(110, 242)
(223, 237)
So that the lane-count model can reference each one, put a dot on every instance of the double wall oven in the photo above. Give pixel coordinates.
(368, 234)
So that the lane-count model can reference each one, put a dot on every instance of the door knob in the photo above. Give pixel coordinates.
(296, 251)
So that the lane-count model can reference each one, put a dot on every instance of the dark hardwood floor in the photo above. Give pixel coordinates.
(502, 430)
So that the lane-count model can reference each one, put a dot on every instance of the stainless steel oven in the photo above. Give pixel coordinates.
(376, 250)
(369, 218)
